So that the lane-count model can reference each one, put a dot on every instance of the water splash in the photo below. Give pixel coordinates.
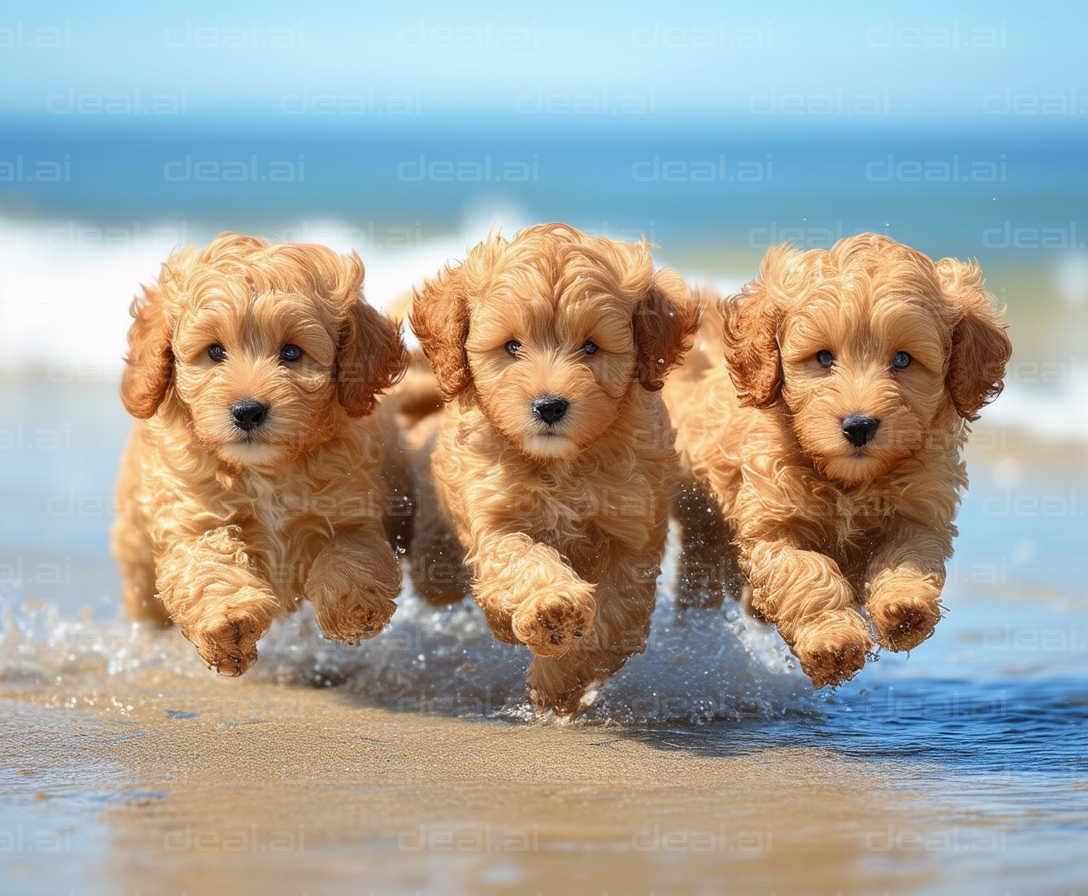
(699, 666)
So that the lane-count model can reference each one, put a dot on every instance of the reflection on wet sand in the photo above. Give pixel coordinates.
(313, 792)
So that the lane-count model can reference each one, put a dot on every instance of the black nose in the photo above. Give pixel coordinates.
(550, 408)
(859, 430)
(248, 414)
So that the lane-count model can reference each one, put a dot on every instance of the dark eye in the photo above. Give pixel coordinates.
(590, 347)
(825, 358)
(513, 347)
(901, 361)
(290, 353)
(216, 353)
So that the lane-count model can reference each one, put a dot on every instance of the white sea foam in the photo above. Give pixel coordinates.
(65, 286)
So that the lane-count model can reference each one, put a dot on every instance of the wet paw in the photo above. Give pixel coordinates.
(550, 624)
(903, 622)
(354, 615)
(227, 641)
(833, 652)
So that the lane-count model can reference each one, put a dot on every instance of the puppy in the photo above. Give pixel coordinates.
(822, 464)
(254, 475)
(553, 472)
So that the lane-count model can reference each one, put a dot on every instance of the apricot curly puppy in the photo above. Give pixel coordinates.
(254, 475)
(823, 463)
(554, 470)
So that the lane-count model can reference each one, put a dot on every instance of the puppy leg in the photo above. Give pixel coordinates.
(624, 601)
(530, 596)
(399, 511)
(352, 584)
(707, 565)
(805, 595)
(438, 566)
(132, 547)
(905, 578)
(210, 589)
(437, 560)
(131, 544)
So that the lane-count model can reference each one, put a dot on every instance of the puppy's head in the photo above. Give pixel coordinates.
(259, 348)
(549, 332)
(869, 350)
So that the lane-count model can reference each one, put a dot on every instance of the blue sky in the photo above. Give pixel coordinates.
(694, 64)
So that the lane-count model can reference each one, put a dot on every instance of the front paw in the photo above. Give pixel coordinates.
(227, 639)
(833, 649)
(354, 617)
(904, 614)
(352, 611)
(549, 624)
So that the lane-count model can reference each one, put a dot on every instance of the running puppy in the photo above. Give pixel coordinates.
(254, 475)
(554, 470)
(822, 463)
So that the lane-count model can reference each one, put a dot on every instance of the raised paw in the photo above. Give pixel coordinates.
(354, 617)
(550, 624)
(227, 640)
(904, 621)
(351, 614)
(832, 651)
(351, 586)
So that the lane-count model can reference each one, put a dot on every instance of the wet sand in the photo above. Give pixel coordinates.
(251, 787)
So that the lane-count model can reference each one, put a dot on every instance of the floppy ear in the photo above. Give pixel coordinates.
(749, 329)
(439, 318)
(665, 322)
(980, 346)
(370, 357)
(149, 366)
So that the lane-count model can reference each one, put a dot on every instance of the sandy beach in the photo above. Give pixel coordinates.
(293, 791)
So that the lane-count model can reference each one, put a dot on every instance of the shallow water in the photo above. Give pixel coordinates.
(411, 763)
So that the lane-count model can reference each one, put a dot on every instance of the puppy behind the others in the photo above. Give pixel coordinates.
(553, 473)
(256, 474)
(822, 462)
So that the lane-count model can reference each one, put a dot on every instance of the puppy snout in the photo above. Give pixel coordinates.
(550, 408)
(248, 414)
(859, 430)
